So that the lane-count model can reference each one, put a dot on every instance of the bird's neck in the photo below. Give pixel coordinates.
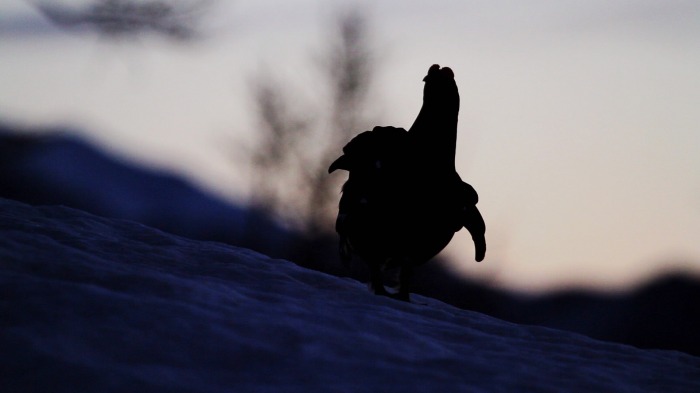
(434, 135)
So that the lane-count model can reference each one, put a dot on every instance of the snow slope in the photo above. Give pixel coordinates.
(90, 304)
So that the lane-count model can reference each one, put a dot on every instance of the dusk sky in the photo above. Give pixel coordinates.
(579, 122)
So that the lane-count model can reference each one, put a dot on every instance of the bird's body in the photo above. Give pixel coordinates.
(404, 200)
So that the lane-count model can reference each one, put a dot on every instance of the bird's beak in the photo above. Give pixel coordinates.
(341, 163)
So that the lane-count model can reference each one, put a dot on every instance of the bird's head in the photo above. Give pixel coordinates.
(370, 150)
(440, 88)
(343, 162)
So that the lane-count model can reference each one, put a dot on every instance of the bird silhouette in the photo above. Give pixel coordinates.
(404, 200)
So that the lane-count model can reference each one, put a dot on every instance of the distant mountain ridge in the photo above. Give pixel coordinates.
(57, 168)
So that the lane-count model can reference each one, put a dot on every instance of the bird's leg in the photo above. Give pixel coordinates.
(404, 284)
(376, 283)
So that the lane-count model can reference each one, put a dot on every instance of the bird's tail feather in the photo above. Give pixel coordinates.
(474, 222)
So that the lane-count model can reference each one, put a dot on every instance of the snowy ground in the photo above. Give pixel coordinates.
(90, 304)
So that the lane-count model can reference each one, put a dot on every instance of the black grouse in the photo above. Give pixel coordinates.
(403, 200)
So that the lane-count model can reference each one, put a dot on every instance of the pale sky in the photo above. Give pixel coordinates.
(579, 124)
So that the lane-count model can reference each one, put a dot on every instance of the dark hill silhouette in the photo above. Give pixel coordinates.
(53, 167)
(662, 313)
(61, 169)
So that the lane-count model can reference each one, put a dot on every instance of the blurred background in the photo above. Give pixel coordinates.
(218, 119)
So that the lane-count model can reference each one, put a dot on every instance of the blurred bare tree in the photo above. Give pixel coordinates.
(296, 146)
(128, 18)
